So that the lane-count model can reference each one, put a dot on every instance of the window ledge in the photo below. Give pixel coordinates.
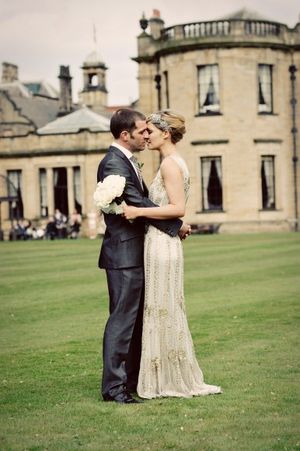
(209, 211)
(266, 113)
(211, 141)
(268, 209)
(211, 113)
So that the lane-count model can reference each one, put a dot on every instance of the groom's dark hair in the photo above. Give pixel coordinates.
(124, 119)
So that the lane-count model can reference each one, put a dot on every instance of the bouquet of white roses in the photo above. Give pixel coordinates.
(107, 192)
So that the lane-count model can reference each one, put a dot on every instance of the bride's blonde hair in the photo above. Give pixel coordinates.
(167, 120)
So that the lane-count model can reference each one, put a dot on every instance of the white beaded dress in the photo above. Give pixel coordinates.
(168, 363)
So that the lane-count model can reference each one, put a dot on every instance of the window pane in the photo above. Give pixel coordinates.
(43, 194)
(60, 190)
(265, 102)
(209, 88)
(166, 81)
(77, 189)
(211, 175)
(14, 188)
(268, 182)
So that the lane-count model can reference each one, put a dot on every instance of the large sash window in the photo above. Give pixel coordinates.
(208, 81)
(43, 193)
(265, 94)
(268, 182)
(211, 177)
(14, 188)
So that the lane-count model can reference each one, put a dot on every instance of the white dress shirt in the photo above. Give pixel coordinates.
(127, 154)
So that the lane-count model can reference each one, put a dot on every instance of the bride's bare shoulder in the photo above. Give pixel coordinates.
(170, 167)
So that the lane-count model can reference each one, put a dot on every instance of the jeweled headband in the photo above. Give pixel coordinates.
(156, 119)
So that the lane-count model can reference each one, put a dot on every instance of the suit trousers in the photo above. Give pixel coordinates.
(123, 330)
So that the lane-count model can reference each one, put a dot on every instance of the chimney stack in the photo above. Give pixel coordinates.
(156, 24)
(9, 73)
(65, 96)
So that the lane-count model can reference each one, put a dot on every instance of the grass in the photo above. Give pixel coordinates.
(242, 296)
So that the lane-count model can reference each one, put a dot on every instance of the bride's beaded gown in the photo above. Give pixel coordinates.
(168, 364)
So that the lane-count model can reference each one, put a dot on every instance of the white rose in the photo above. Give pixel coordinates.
(107, 191)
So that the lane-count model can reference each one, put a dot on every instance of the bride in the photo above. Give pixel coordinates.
(168, 362)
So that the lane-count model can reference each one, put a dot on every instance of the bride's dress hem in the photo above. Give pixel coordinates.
(206, 391)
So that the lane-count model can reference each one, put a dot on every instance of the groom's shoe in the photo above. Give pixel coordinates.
(122, 398)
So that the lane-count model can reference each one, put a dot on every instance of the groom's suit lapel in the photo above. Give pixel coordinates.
(120, 154)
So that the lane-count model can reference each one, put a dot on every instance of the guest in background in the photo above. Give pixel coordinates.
(75, 224)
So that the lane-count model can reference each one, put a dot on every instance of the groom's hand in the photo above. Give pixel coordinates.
(184, 231)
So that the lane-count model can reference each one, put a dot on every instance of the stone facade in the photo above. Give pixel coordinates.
(240, 133)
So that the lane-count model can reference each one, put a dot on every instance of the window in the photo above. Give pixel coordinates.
(265, 100)
(14, 188)
(77, 189)
(166, 83)
(61, 190)
(268, 182)
(211, 177)
(208, 82)
(43, 193)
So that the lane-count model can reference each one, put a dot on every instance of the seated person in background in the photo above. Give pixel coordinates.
(51, 231)
(75, 223)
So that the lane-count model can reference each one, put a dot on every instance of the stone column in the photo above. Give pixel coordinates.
(50, 191)
(70, 178)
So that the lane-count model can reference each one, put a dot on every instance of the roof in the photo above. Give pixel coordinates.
(42, 88)
(245, 14)
(84, 118)
(93, 59)
(38, 109)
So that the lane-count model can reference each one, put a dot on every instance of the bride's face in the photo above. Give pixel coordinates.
(156, 137)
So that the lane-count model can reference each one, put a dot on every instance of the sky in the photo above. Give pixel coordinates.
(40, 35)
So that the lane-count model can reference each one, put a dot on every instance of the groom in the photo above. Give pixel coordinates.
(122, 257)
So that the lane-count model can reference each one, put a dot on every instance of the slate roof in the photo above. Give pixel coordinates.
(42, 88)
(84, 118)
(38, 109)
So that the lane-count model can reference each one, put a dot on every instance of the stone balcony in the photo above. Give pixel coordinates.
(219, 33)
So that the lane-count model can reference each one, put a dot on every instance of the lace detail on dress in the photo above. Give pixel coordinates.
(168, 364)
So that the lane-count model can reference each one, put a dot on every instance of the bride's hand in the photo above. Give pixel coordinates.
(130, 212)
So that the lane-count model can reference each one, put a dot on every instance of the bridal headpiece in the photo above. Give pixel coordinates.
(156, 119)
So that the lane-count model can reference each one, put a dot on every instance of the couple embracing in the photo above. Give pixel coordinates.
(147, 345)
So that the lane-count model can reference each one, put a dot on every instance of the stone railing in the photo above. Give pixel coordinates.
(197, 30)
(223, 28)
(258, 28)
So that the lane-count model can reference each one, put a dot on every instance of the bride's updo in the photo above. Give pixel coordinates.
(172, 122)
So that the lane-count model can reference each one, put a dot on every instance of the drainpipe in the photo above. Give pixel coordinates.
(292, 70)
(157, 80)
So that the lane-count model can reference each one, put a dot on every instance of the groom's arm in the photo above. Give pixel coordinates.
(132, 196)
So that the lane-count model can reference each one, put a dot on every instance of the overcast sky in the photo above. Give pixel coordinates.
(41, 35)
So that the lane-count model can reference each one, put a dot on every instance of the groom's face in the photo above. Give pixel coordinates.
(137, 138)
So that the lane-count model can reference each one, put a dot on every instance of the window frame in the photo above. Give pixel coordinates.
(205, 188)
(208, 112)
(271, 71)
(273, 187)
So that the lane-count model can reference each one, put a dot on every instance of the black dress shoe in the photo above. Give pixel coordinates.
(122, 398)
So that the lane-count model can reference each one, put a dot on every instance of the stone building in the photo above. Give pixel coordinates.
(234, 79)
(49, 147)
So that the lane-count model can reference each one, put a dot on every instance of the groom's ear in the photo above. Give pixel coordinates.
(124, 135)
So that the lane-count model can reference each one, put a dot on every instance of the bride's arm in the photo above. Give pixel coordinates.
(173, 180)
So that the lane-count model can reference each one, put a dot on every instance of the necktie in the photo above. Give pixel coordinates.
(138, 169)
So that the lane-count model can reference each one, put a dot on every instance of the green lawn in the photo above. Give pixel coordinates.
(242, 296)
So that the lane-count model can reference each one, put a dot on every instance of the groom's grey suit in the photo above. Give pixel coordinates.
(122, 255)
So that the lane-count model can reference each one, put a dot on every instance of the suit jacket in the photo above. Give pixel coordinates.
(123, 242)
